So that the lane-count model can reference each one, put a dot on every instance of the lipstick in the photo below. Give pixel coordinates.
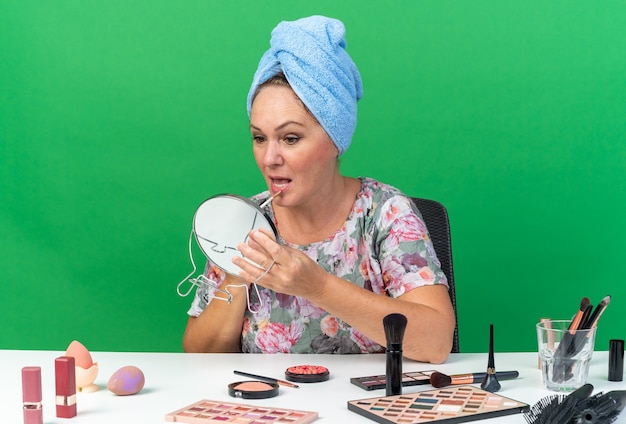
(31, 395)
(65, 379)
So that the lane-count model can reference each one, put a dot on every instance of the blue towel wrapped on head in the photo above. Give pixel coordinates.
(311, 53)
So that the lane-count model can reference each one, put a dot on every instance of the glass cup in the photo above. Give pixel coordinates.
(564, 354)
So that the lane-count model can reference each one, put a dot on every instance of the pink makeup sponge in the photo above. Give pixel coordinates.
(80, 354)
(128, 380)
(86, 369)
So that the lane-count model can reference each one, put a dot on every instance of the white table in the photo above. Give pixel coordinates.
(174, 380)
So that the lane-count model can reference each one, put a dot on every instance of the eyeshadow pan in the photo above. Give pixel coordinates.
(376, 382)
(451, 405)
(217, 412)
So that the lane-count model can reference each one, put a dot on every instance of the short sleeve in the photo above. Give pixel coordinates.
(407, 256)
(206, 292)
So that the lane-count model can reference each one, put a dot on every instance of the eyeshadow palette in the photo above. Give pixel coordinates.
(213, 411)
(450, 405)
(375, 382)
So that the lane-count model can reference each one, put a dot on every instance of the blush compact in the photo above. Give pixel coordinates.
(307, 373)
(253, 390)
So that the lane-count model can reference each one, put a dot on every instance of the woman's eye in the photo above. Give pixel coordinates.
(258, 138)
(292, 139)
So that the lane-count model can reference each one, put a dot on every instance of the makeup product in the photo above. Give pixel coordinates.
(375, 382)
(65, 381)
(213, 411)
(267, 379)
(307, 373)
(451, 405)
(490, 381)
(394, 325)
(555, 409)
(593, 319)
(616, 360)
(438, 379)
(86, 368)
(577, 321)
(31, 395)
(574, 340)
(253, 389)
(269, 200)
(128, 380)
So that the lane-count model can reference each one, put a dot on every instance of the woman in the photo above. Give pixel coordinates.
(350, 250)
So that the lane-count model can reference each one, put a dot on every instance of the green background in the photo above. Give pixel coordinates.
(118, 118)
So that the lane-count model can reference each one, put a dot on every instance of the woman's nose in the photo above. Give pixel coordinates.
(272, 155)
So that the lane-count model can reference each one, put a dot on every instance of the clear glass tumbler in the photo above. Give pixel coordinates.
(564, 354)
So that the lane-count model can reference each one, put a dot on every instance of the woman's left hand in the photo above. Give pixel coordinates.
(291, 271)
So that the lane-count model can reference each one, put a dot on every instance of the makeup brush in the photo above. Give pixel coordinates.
(573, 341)
(592, 320)
(394, 325)
(267, 379)
(490, 381)
(577, 320)
(439, 379)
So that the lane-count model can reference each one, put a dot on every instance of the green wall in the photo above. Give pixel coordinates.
(118, 118)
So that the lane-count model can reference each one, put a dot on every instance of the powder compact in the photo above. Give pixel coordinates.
(307, 373)
(253, 389)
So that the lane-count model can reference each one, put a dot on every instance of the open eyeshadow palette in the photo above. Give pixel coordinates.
(375, 382)
(212, 411)
(450, 405)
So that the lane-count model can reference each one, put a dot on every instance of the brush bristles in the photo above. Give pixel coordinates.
(561, 409)
(394, 325)
(439, 380)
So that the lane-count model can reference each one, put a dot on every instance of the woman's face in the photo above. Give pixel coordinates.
(292, 150)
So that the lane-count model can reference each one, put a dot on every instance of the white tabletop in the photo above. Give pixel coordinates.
(175, 380)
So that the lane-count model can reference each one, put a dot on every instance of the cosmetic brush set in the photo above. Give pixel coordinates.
(573, 341)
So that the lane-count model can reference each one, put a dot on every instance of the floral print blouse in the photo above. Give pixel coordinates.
(383, 247)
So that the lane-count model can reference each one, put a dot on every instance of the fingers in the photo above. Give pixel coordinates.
(260, 250)
(267, 241)
(261, 247)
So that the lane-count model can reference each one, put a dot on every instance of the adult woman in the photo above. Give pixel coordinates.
(351, 250)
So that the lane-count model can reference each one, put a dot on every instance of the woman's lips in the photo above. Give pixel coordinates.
(279, 184)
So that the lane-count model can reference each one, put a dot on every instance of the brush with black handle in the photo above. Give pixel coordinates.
(439, 379)
(394, 325)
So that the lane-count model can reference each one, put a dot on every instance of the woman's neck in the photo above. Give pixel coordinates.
(320, 216)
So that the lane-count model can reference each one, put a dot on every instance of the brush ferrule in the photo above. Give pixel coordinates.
(394, 347)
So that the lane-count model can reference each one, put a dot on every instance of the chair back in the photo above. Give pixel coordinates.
(436, 219)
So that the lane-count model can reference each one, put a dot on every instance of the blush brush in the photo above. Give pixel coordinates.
(439, 379)
(394, 325)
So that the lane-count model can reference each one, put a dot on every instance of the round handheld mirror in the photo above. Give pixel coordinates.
(222, 222)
